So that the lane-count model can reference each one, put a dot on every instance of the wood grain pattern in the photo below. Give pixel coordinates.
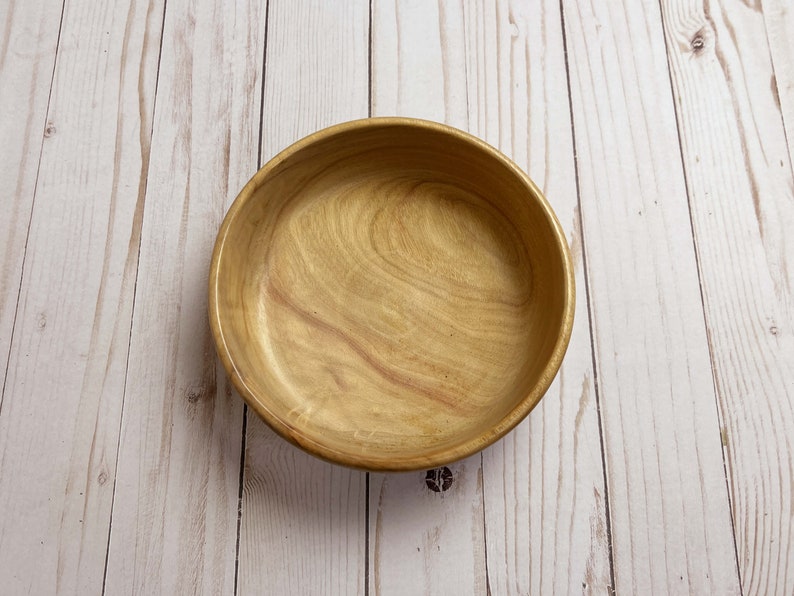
(28, 42)
(62, 406)
(779, 24)
(417, 534)
(303, 525)
(668, 501)
(174, 524)
(303, 520)
(742, 202)
(470, 64)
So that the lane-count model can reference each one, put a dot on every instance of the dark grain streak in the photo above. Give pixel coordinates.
(775, 93)
(7, 34)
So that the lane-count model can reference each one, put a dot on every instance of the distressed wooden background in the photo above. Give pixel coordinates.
(661, 459)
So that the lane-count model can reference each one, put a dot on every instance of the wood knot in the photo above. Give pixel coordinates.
(102, 478)
(41, 321)
(49, 130)
(439, 479)
(698, 42)
(193, 395)
(200, 391)
(773, 330)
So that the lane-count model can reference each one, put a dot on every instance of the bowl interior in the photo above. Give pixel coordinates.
(391, 295)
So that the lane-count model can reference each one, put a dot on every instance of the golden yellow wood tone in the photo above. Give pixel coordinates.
(391, 294)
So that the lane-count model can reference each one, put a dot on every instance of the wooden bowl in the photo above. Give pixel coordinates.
(391, 294)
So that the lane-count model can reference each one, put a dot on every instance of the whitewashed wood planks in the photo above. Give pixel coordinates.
(669, 509)
(174, 527)
(303, 527)
(494, 69)
(779, 21)
(62, 405)
(742, 202)
(316, 69)
(528, 515)
(28, 43)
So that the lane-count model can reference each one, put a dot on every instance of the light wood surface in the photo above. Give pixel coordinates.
(779, 23)
(742, 205)
(665, 472)
(27, 58)
(64, 385)
(659, 460)
(177, 398)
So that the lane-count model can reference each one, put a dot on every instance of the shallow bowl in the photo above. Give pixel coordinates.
(391, 294)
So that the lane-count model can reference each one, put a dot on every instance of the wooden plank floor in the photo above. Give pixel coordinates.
(661, 460)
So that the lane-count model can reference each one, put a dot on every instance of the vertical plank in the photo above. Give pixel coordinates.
(779, 21)
(545, 502)
(422, 541)
(303, 525)
(174, 527)
(742, 201)
(28, 43)
(60, 417)
(669, 506)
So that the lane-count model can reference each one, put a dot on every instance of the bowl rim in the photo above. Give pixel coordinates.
(443, 455)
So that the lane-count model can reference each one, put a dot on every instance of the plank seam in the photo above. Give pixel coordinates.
(32, 208)
(259, 163)
(367, 476)
(240, 497)
(132, 309)
(484, 522)
(244, 433)
(596, 385)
